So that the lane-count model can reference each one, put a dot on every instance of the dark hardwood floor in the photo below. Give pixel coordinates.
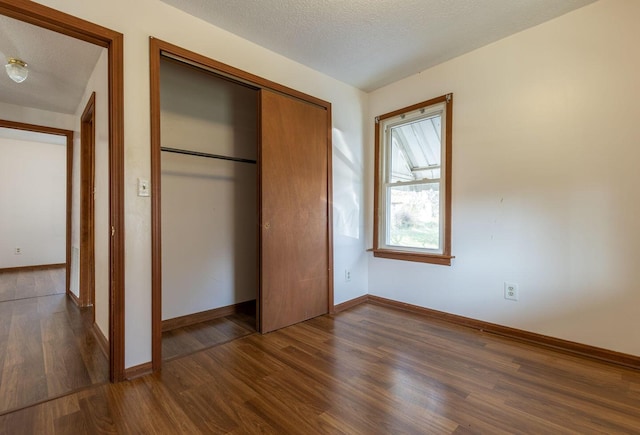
(188, 339)
(368, 370)
(21, 284)
(46, 347)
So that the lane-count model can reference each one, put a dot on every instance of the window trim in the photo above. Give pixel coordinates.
(415, 255)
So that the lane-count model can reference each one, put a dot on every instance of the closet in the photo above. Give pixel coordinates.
(209, 191)
(240, 195)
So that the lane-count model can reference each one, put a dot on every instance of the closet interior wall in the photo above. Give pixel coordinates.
(208, 206)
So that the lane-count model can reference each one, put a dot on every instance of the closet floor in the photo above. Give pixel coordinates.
(189, 339)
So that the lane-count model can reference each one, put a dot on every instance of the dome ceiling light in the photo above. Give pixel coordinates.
(17, 70)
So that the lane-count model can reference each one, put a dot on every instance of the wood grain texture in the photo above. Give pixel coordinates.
(329, 153)
(194, 337)
(598, 353)
(204, 316)
(24, 283)
(46, 345)
(87, 203)
(102, 341)
(139, 370)
(367, 370)
(155, 53)
(350, 303)
(115, 43)
(30, 268)
(294, 220)
(443, 260)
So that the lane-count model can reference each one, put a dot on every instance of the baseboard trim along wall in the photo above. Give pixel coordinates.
(103, 343)
(350, 303)
(138, 371)
(583, 350)
(30, 268)
(74, 298)
(203, 316)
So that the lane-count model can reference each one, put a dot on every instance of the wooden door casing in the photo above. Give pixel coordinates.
(87, 284)
(294, 221)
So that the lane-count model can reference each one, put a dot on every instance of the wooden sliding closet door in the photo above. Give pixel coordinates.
(294, 211)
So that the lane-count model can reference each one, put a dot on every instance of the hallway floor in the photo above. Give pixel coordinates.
(47, 348)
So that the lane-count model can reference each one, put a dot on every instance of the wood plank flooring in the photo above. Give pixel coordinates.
(188, 339)
(368, 370)
(46, 347)
(23, 284)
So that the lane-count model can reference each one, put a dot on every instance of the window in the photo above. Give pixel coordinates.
(412, 215)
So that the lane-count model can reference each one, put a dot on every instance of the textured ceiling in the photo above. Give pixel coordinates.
(369, 44)
(59, 67)
(361, 42)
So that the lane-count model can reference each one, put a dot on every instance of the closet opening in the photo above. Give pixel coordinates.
(209, 210)
(240, 202)
(76, 28)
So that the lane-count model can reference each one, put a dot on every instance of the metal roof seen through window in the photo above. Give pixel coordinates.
(416, 149)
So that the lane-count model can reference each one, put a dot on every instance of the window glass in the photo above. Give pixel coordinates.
(414, 216)
(412, 195)
(417, 149)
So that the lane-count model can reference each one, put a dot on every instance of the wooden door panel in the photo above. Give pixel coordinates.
(294, 211)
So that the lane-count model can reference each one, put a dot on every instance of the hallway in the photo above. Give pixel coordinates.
(47, 348)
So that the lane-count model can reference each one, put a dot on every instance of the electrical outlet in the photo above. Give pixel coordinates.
(18, 251)
(511, 291)
(347, 275)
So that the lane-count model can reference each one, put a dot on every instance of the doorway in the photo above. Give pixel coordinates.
(56, 21)
(34, 135)
(47, 343)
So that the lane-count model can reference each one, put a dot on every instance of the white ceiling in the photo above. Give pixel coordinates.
(59, 67)
(371, 43)
(365, 43)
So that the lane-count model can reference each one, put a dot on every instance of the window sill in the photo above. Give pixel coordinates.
(444, 260)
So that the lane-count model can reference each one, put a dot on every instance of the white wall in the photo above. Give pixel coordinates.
(28, 115)
(143, 18)
(349, 234)
(209, 207)
(33, 190)
(98, 83)
(545, 180)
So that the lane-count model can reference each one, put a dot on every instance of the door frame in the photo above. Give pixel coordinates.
(87, 284)
(69, 180)
(52, 19)
(158, 48)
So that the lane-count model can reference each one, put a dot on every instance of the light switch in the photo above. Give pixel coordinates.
(143, 187)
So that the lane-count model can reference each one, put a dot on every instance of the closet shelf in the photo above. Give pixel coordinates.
(210, 156)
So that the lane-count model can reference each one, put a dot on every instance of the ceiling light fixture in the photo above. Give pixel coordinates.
(17, 70)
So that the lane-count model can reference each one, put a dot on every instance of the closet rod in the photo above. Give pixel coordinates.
(211, 156)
